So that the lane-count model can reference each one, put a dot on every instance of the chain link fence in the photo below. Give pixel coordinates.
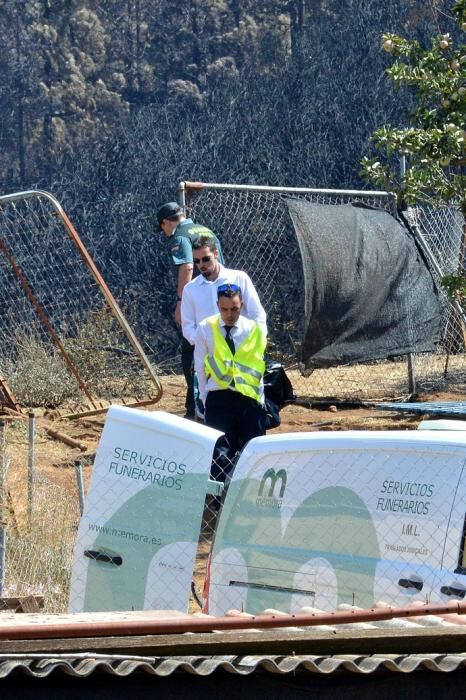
(356, 519)
(315, 526)
(441, 229)
(40, 513)
(257, 235)
(40, 510)
(64, 340)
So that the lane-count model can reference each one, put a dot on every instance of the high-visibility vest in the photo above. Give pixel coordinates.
(245, 368)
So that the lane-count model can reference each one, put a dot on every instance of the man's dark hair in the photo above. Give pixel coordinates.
(171, 211)
(205, 242)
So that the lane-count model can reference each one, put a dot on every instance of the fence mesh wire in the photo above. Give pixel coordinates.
(297, 558)
(341, 524)
(40, 514)
(442, 229)
(420, 551)
(257, 235)
(62, 339)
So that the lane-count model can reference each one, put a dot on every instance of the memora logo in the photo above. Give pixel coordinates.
(271, 488)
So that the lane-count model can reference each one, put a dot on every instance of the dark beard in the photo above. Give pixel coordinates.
(214, 274)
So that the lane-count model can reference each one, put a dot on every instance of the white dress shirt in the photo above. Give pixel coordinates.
(199, 301)
(204, 345)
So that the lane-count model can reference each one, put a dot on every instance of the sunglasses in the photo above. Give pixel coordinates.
(205, 259)
(228, 290)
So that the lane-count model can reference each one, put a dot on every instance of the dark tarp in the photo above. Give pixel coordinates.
(368, 292)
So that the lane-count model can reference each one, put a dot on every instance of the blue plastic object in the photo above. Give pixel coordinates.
(440, 408)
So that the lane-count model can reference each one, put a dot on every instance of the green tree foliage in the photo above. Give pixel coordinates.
(435, 141)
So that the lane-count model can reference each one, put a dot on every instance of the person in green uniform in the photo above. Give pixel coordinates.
(181, 232)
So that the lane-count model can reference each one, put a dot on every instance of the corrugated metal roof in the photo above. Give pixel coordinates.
(81, 666)
(430, 627)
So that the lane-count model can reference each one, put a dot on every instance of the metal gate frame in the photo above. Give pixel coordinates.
(107, 295)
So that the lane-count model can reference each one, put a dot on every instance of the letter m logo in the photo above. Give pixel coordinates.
(274, 477)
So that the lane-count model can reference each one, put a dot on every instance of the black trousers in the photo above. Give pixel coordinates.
(187, 363)
(240, 418)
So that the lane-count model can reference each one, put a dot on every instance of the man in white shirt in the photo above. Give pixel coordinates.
(229, 362)
(181, 233)
(200, 295)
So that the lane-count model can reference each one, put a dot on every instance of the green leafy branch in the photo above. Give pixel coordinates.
(435, 141)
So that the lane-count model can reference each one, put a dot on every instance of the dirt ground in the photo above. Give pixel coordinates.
(56, 460)
(52, 457)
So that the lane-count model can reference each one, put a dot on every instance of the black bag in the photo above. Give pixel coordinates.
(272, 416)
(278, 392)
(277, 386)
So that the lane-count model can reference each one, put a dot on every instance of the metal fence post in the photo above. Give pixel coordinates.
(31, 442)
(80, 484)
(411, 372)
(182, 196)
(411, 375)
(2, 505)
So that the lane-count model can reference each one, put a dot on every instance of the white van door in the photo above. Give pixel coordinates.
(451, 585)
(323, 519)
(138, 536)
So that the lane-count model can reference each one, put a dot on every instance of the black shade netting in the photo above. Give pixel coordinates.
(369, 294)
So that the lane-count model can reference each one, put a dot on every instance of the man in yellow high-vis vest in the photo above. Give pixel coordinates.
(229, 362)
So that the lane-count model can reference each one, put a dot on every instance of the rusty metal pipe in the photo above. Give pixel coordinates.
(112, 303)
(66, 439)
(45, 320)
(209, 624)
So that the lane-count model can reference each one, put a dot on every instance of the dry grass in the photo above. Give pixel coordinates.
(96, 350)
(40, 542)
(37, 375)
(382, 380)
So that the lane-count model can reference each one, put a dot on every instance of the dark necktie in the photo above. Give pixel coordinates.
(229, 340)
